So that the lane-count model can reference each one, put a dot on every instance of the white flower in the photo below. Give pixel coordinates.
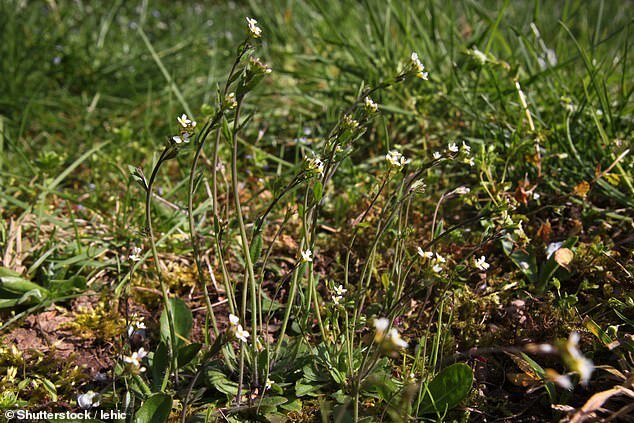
(461, 191)
(268, 384)
(135, 359)
(481, 263)
(136, 254)
(381, 324)
(576, 360)
(340, 290)
(370, 105)
(186, 122)
(425, 254)
(479, 56)
(233, 319)
(258, 66)
(230, 100)
(453, 147)
(183, 138)
(466, 147)
(396, 339)
(524, 265)
(396, 159)
(307, 256)
(336, 299)
(315, 164)
(437, 268)
(136, 324)
(241, 334)
(254, 29)
(418, 67)
(349, 122)
(552, 248)
(436, 155)
(88, 400)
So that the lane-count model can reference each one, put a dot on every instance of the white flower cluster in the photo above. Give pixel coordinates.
(481, 263)
(338, 294)
(307, 256)
(315, 165)
(133, 361)
(136, 324)
(186, 129)
(388, 339)
(435, 260)
(417, 67)
(135, 254)
(349, 122)
(370, 106)
(396, 159)
(254, 30)
(257, 66)
(237, 328)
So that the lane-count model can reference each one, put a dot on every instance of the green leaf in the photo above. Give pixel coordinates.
(447, 389)
(19, 285)
(183, 321)
(156, 409)
(160, 361)
(187, 354)
(219, 380)
(318, 191)
(256, 247)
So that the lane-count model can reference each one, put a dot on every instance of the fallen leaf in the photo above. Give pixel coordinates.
(564, 256)
(581, 190)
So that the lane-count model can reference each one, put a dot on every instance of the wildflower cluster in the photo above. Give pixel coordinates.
(389, 340)
(337, 296)
(369, 105)
(435, 260)
(254, 30)
(396, 160)
(417, 68)
(136, 325)
(314, 165)
(133, 362)
(237, 329)
(135, 254)
(186, 130)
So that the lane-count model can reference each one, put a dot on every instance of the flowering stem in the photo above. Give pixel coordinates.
(243, 233)
(168, 311)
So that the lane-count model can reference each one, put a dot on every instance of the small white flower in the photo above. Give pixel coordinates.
(183, 138)
(268, 384)
(576, 360)
(135, 255)
(437, 268)
(241, 334)
(135, 359)
(370, 105)
(396, 159)
(88, 400)
(481, 263)
(381, 324)
(439, 259)
(136, 324)
(349, 122)
(340, 290)
(315, 164)
(425, 254)
(234, 320)
(396, 339)
(453, 147)
(254, 29)
(436, 155)
(230, 100)
(479, 56)
(186, 122)
(307, 256)
(552, 248)
(417, 67)
(524, 265)
(461, 191)
(466, 147)
(336, 299)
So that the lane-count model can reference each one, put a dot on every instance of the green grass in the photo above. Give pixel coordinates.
(541, 91)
